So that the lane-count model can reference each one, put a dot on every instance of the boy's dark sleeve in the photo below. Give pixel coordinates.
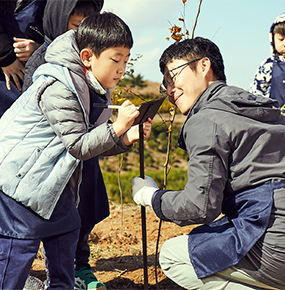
(7, 55)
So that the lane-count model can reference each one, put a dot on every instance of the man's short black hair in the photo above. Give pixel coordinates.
(101, 31)
(196, 48)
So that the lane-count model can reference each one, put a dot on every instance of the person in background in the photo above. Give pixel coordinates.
(45, 135)
(21, 33)
(236, 178)
(24, 20)
(58, 17)
(269, 79)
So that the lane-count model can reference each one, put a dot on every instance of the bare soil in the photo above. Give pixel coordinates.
(116, 249)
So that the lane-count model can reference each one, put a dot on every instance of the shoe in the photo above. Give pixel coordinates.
(33, 283)
(85, 279)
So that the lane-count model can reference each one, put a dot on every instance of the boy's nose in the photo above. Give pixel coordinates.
(121, 70)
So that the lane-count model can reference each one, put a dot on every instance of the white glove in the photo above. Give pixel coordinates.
(143, 190)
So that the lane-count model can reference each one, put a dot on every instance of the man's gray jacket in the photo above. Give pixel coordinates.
(235, 142)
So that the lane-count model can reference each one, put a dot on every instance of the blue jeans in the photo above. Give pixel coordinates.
(83, 250)
(17, 256)
(93, 207)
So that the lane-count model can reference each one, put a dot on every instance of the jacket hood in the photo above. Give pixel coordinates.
(280, 18)
(235, 100)
(64, 64)
(56, 16)
(65, 52)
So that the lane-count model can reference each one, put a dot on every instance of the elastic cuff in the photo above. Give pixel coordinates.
(156, 203)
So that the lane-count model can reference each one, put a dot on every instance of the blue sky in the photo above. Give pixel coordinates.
(239, 27)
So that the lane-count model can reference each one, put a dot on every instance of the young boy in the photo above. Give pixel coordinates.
(235, 142)
(60, 16)
(44, 137)
(270, 77)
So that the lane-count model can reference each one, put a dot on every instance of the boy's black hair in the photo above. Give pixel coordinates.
(279, 28)
(101, 31)
(196, 48)
(87, 7)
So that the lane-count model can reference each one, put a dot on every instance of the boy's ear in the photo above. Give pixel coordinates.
(85, 56)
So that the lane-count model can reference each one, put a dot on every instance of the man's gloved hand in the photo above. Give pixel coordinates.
(143, 190)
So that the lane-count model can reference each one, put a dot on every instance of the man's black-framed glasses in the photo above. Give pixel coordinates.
(162, 90)
(173, 78)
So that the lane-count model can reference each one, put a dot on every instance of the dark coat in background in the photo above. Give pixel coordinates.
(22, 19)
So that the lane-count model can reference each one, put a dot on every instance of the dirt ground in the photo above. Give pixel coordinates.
(116, 250)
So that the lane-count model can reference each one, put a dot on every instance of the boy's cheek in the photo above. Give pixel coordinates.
(110, 84)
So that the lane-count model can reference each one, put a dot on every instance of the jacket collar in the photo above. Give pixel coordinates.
(208, 93)
(205, 97)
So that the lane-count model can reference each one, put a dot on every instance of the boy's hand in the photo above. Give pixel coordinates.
(14, 71)
(126, 116)
(133, 134)
(24, 48)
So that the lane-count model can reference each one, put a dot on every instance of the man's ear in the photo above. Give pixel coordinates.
(207, 70)
(206, 64)
(85, 56)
